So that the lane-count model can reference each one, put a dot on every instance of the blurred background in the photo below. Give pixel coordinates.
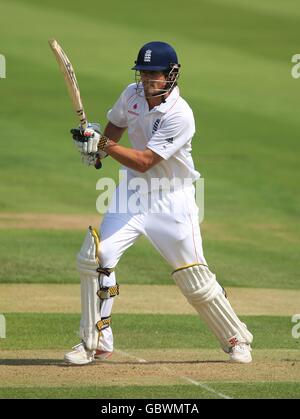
(236, 75)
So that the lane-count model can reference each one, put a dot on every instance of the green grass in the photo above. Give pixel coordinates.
(39, 256)
(50, 257)
(235, 73)
(241, 256)
(34, 331)
(234, 390)
(140, 331)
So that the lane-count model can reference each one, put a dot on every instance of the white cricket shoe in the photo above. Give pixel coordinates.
(101, 355)
(80, 355)
(241, 353)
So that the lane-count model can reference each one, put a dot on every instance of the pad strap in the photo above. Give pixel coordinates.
(105, 271)
(104, 323)
(108, 292)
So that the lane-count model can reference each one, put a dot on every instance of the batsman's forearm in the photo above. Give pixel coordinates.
(129, 157)
(113, 132)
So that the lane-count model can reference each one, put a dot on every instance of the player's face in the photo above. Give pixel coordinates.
(153, 82)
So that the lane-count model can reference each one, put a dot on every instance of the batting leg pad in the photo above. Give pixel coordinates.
(205, 294)
(95, 316)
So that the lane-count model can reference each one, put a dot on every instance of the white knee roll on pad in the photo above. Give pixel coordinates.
(197, 284)
(204, 293)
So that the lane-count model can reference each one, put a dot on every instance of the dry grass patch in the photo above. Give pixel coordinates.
(143, 299)
(48, 221)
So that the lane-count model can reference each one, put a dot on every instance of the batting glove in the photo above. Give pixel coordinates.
(91, 160)
(92, 139)
(87, 141)
(80, 139)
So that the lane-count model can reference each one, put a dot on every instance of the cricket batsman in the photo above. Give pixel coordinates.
(160, 126)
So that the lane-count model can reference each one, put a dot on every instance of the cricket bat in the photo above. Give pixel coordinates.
(72, 84)
(70, 79)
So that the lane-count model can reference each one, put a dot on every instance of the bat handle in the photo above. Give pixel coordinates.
(98, 164)
(84, 124)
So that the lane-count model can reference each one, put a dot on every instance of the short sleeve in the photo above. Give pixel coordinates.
(173, 134)
(118, 114)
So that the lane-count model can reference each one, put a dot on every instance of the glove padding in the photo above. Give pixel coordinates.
(87, 143)
(91, 160)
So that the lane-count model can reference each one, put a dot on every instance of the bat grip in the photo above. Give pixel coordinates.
(98, 164)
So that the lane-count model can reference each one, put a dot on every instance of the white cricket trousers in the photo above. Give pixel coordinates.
(169, 221)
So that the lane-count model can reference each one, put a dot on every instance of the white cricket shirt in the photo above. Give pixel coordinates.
(166, 129)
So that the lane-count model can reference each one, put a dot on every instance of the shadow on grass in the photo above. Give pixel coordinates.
(31, 362)
(165, 362)
(62, 363)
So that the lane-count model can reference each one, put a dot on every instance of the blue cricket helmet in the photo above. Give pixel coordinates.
(156, 56)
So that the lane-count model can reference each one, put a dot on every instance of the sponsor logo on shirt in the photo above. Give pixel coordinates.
(132, 112)
(170, 140)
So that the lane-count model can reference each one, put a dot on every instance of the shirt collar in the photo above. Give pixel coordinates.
(169, 102)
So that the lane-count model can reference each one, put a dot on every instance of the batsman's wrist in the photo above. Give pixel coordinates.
(102, 142)
(109, 144)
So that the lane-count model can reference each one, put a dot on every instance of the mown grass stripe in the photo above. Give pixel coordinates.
(257, 390)
(139, 331)
(237, 253)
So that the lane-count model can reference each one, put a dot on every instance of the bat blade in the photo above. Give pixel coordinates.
(70, 79)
